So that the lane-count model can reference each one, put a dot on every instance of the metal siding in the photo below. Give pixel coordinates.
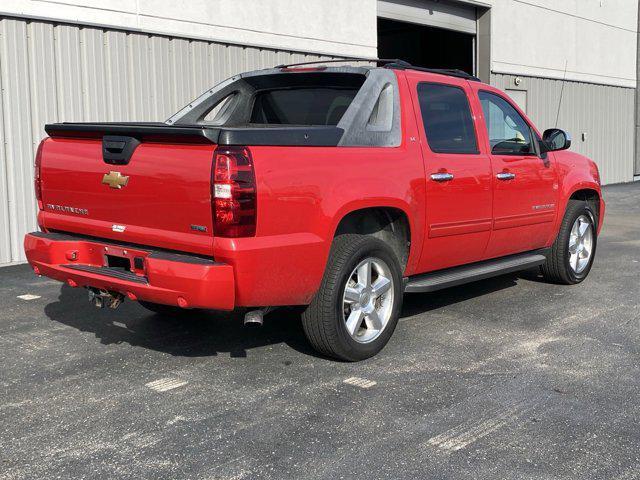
(5, 223)
(604, 113)
(17, 106)
(94, 75)
(456, 17)
(56, 72)
(636, 152)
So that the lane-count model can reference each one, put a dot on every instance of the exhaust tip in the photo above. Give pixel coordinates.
(254, 317)
(101, 298)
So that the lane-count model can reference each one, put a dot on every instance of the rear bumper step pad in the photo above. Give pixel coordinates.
(110, 272)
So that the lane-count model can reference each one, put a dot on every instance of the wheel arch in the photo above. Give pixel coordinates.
(559, 265)
(589, 195)
(585, 190)
(387, 223)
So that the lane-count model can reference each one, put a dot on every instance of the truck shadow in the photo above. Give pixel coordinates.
(204, 333)
(195, 334)
(417, 303)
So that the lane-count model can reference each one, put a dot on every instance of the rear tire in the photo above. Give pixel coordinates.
(572, 254)
(356, 309)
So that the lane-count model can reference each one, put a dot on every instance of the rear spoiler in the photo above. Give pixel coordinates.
(311, 136)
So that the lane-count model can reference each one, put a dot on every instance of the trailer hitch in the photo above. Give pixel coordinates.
(101, 298)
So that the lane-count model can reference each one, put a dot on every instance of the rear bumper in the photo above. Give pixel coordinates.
(167, 278)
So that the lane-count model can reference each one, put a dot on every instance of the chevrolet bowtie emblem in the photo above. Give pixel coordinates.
(115, 180)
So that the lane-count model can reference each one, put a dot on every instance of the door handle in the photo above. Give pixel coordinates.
(506, 176)
(441, 177)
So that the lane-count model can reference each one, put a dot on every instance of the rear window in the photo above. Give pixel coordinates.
(302, 106)
(285, 98)
(447, 118)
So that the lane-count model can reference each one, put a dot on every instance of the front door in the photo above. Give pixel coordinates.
(525, 182)
(458, 183)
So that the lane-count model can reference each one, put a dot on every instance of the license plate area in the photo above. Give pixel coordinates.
(124, 259)
(115, 261)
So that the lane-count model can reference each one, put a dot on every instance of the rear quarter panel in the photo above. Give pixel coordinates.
(303, 193)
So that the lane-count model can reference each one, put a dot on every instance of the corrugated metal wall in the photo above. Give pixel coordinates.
(52, 72)
(604, 113)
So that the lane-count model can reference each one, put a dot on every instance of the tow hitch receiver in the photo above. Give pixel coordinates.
(100, 298)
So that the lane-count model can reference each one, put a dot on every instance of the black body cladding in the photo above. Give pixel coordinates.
(117, 150)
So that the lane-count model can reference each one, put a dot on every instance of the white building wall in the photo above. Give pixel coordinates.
(332, 27)
(596, 42)
(598, 117)
(596, 39)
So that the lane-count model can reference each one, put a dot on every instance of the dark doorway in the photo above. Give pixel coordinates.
(425, 46)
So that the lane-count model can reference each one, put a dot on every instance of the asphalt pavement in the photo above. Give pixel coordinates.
(507, 378)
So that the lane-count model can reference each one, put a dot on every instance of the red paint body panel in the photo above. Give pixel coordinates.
(169, 189)
(302, 195)
(201, 285)
(576, 172)
(458, 214)
(524, 208)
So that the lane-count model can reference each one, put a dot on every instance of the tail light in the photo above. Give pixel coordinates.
(37, 176)
(233, 193)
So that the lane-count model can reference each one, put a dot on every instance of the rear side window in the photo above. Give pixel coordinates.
(302, 106)
(447, 118)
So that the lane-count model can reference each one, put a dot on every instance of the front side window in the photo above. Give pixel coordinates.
(509, 133)
(447, 119)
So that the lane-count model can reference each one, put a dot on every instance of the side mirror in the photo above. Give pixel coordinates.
(555, 139)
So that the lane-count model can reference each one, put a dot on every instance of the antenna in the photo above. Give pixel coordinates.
(564, 78)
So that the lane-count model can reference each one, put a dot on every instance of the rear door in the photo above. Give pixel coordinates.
(525, 183)
(458, 174)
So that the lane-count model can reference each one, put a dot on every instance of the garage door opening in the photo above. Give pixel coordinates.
(425, 46)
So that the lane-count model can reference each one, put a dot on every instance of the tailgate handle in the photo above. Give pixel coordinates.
(117, 150)
(114, 147)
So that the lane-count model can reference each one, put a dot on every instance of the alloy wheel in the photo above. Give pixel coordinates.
(580, 244)
(367, 302)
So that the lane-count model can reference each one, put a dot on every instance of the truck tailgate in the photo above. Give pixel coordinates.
(160, 198)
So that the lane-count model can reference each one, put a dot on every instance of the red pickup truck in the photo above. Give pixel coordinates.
(334, 188)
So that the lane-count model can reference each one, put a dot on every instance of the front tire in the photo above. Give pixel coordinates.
(573, 251)
(356, 309)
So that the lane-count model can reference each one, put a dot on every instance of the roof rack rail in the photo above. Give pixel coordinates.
(339, 60)
(393, 63)
(451, 72)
